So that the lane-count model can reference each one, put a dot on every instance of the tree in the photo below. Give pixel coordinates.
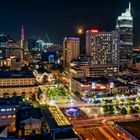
(117, 109)
(108, 109)
(131, 110)
(137, 109)
(124, 111)
(105, 109)
(111, 109)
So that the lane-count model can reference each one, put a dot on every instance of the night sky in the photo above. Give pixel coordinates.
(60, 18)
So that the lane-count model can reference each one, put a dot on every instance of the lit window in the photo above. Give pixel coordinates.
(9, 116)
(3, 117)
(3, 110)
(9, 109)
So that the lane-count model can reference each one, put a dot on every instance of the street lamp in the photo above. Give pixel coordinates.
(93, 87)
(71, 103)
(52, 102)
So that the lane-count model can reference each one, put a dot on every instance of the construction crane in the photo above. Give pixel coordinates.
(47, 38)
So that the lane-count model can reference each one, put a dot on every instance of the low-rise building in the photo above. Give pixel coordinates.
(88, 85)
(28, 121)
(59, 126)
(31, 125)
(10, 63)
(77, 72)
(102, 70)
(20, 83)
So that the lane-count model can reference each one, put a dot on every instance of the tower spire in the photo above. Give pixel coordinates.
(22, 32)
(130, 7)
(22, 36)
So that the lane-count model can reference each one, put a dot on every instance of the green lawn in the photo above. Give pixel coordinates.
(58, 94)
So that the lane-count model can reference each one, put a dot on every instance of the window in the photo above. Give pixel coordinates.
(2, 110)
(3, 117)
(9, 116)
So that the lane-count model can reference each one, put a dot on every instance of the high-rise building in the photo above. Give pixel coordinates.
(103, 50)
(14, 50)
(71, 49)
(4, 40)
(124, 25)
(32, 43)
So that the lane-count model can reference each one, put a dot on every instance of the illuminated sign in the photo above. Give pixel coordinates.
(94, 31)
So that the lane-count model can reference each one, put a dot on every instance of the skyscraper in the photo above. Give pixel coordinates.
(32, 43)
(124, 25)
(103, 50)
(71, 49)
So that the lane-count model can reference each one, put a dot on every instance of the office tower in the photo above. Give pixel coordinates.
(103, 50)
(71, 49)
(124, 25)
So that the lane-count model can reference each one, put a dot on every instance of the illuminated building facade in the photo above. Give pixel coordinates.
(103, 50)
(86, 86)
(4, 40)
(124, 25)
(71, 49)
(77, 72)
(14, 49)
(19, 83)
(8, 108)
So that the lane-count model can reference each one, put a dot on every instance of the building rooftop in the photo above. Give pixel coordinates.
(16, 74)
(52, 122)
(10, 101)
(89, 80)
(19, 86)
(28, 112)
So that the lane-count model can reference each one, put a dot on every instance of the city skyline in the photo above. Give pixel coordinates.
(60, 19)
